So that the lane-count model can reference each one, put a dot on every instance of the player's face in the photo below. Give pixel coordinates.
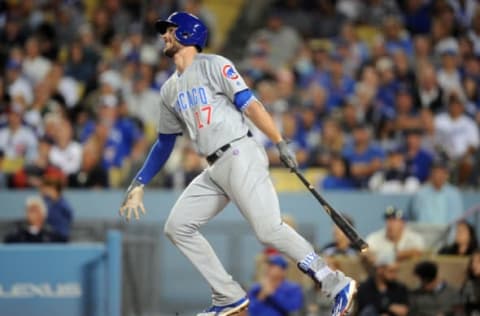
(172, 46)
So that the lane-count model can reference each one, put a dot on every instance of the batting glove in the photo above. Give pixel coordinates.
(133, 201)
(286, 155)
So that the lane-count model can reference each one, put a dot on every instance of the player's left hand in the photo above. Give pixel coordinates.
(286, 155)
(133, 201)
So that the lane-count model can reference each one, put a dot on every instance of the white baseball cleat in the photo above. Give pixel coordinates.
(344, 299)
(227, 310)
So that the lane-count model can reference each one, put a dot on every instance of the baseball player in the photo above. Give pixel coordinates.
(208, 99)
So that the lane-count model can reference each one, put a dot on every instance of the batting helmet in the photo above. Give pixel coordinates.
(190, 30)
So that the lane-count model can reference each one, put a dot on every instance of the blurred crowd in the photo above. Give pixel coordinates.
(402, 273)
(372, 91)
(78, 91)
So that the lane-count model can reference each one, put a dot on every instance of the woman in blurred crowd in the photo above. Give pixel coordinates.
(465, 241)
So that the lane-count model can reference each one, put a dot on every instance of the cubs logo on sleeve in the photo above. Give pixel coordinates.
(229, 73)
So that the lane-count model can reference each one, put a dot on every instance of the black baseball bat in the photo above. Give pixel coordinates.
(337, 218)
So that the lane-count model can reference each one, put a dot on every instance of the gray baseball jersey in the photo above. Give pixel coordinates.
(200, 101)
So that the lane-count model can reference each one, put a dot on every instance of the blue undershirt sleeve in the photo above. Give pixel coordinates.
(159, 153)
(243, 98)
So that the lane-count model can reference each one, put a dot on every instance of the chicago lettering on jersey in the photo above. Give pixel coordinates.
(191, 98)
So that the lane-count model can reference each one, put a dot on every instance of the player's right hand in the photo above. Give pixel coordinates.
(286, 155)
(133, 201)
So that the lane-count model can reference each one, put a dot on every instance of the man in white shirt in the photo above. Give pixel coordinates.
(142, 103)
(396, 237)
(16, 140)
(449, 77)
(35, 66)
(66, 154)
(18, 87)
(455, 132)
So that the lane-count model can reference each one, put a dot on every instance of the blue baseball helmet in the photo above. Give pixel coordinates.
(190, 30)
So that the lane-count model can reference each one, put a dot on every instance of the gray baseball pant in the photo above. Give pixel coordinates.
(240, 175)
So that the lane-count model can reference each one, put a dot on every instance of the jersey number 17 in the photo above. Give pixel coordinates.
(198, 116)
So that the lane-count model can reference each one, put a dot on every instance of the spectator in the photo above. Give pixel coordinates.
(309, 127)
(418, 160)
(474, 32)
(457, 135)
(375, 11)
(142, 104)
(423, 51)
(364, 157)
(434, 296)
(338, 84)
(395, 36)
(120, 16)
(78, 65)
(357, 49)
(338, 177)
(35, 228)
(396, 237)
(429, 94)
(35, 66)
(91, 173)
(124, 142)
(366, 93)
(449, 77)
(328, 21)
(274, 295)
(470, 291)
(404, 115)
(68, 20)
(12, 34)
(316, 98)
(472, 102)
(18, 87)
(17, 140)
(417, 16)
(340, 245)
(381, 293)
(331, 144)
(66, 154)
(395, 177)
(65, 87)
(43, 103)
(102, 24)
(385, 97)
(437, 202)
(349, 116)
(60, 213)
(281, 41)
(403, 70)
(295, 16)
(32, 173)
(465, 241)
